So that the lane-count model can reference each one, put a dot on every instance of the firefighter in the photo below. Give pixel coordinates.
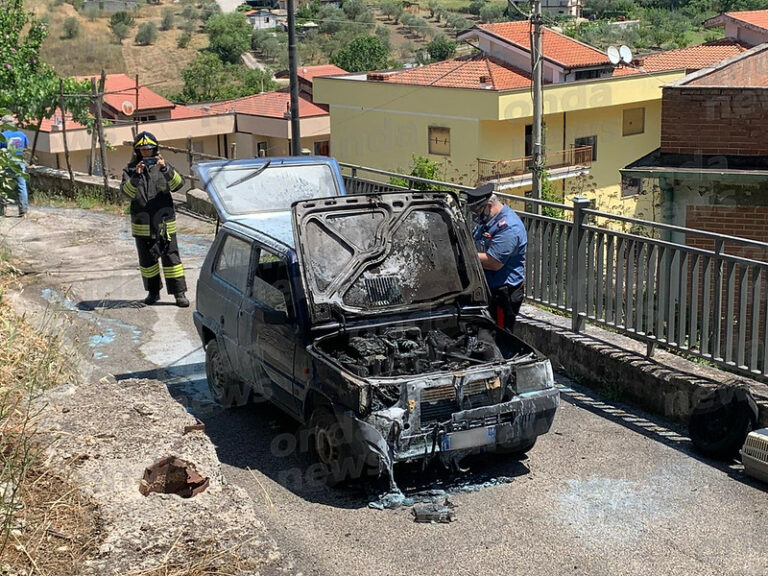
(148, 181)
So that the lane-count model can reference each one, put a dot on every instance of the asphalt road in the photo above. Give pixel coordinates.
(608, 491)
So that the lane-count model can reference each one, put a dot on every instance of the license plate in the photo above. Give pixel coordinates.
(469, 438)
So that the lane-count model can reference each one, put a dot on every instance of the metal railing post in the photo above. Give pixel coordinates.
(577, 279)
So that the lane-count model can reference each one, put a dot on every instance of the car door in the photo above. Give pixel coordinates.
(231, 273)
(269, 329)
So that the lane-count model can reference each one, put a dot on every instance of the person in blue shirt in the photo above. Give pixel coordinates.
(15, 142)
(501, 240)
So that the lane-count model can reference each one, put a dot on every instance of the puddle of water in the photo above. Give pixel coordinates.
(104, 329)
(193, 245)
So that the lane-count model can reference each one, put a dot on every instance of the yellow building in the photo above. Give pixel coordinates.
(473, 115)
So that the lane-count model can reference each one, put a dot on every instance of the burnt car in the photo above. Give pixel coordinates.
(365, 318)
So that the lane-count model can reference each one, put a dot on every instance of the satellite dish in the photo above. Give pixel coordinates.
(613, 55)
(626, 54)
(127, 107)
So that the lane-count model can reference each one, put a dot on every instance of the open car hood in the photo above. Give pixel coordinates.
(258, 188)
(363, 256)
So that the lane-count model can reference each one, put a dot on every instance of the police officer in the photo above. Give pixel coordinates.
(501, 240)
(148, 181)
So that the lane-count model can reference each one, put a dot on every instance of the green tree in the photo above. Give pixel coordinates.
(207, 78)
(353, 8)
(147, 34)
(441, 49)
(71, 28)
(363, 53)
(392, 10)
(30, 89)
(120, 31)
(492, 12)
(330, 19)
(230, 36)
(167, 22)
(475, 6)
(208, 9)
(122, 17)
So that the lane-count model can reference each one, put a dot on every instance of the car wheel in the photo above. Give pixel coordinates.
(225, 389)
(721, 421)
(331, 450)
(516, 451)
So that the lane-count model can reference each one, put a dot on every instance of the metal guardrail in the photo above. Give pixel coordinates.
(697, 292)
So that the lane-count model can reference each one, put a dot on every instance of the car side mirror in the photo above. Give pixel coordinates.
(275, 317)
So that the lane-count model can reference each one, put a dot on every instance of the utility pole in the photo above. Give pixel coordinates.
(293, 76)
(538, 144)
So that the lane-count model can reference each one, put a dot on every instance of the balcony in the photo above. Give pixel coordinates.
(516, 173)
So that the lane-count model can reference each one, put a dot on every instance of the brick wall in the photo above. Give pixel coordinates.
(743, 221)
(714, 121)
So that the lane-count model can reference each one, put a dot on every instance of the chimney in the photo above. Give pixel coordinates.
(376, 77)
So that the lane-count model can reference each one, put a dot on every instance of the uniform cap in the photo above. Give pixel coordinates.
(479, 195)
(145, 140)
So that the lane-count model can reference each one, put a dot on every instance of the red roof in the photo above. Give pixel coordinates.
(475, 72)
(309, 72)
(556, 47)
(757, 18)
(119, 88)
(269, 104)
(693, 57)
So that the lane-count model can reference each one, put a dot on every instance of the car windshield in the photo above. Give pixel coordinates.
(274, 189)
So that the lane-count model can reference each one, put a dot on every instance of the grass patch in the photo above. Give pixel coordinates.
(45, 524)
(85, 197)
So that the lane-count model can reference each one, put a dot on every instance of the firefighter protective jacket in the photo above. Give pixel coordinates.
(151, 200)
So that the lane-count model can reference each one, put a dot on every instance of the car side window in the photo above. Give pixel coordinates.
(233, 262)
(271, 285)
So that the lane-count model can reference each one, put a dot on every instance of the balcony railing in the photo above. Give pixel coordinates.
(500, 169)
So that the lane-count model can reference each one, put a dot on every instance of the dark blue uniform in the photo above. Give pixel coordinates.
(503, 238)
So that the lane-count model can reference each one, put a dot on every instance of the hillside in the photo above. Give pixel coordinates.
(95, 48)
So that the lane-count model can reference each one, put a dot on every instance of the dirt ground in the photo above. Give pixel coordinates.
(80, 279)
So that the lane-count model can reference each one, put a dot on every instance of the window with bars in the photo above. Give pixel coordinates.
(439, 140)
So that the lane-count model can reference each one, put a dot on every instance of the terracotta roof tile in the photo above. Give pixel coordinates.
(757, 18)
(310, 72)
(269, 104)
(693, 57)
(119, 88)
(476, 72)
(180, 112)
(557, 47)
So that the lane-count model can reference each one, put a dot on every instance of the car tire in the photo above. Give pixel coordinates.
(226, 390)
(721, 421)
(516, 451)
(330, 448)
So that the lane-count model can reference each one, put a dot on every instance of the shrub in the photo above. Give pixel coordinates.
(147, 34)
(183, 40)
(121, 18)
(167, 22)
(71, 27)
